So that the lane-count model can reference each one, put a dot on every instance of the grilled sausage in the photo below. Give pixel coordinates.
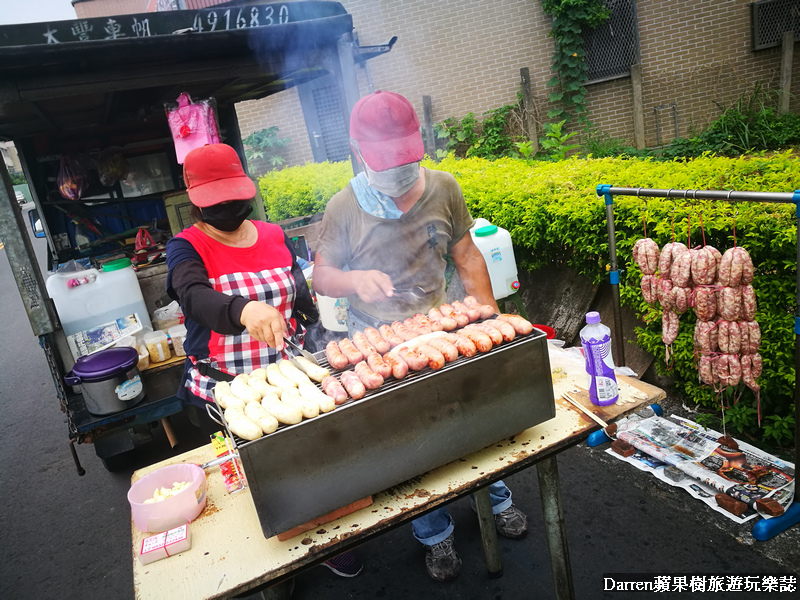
(336, 358)
(309, 408)
(284, 413)
(504, 327)
(403, 331)
(259, 415)
(465, 346)
(520, 325)
(448, 349)
(291, 372)
(352, 383)
(388, 334)
(349, 349)
(482, 341)
(493, 333)
(332, 387)
(435, 358)
(312, 393)
(486, 310)
(362, 344)
(473, 314)
(448, 311)
(447, 323)
(415, 327)
(374, 337)
(415, 360)
(426, 323)
(398, 365)
(378, 365)
(368, 377)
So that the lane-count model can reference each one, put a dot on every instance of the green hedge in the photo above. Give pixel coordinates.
(555, 217)
(303, 190)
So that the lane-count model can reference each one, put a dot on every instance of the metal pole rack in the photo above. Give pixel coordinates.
(766, 528)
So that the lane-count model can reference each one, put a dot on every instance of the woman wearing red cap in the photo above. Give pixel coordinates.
(238, 283)
(391, 227)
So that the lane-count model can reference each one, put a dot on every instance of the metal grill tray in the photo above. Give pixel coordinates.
(398, 431)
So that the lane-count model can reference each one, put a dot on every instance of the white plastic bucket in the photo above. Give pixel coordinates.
(90, 298)
(333, 312)
(494, 244)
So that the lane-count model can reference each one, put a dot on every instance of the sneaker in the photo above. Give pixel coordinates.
(442, 560)
(347, 564)
(511, 523)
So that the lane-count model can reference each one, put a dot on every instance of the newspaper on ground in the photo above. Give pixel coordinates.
(684, 454)
(103, 336)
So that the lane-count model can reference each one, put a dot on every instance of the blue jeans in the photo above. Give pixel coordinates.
(438, 525)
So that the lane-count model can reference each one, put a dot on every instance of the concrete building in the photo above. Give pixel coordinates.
(695, 58)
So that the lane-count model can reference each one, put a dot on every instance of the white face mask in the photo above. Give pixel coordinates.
(393, 182)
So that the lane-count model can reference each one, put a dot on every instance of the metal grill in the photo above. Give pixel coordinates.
(331, 121)
(771, 18)
(397, 431)
(613, 47)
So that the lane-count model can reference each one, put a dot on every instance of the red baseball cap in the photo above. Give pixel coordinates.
(214, 174)
(386, 127)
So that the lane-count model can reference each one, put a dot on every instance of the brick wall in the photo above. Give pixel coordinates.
(103, 8)
(466, 55)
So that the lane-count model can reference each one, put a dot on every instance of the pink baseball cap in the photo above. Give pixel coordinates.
(386, 127)
(214, 174)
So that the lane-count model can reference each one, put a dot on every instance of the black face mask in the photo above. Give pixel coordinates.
(227, 216)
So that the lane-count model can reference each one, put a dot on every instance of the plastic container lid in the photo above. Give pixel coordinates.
(486, 231)
(116, 265)
(154, 336)
(177, 331)
(105, 364)
(593, 317)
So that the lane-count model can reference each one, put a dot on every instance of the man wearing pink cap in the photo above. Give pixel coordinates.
(391, 228)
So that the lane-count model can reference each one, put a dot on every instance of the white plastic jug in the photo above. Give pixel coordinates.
(494, 244)
(90, 298)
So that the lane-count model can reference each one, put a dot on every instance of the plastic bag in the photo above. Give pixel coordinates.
(72, 179)
(168, 316)
(193, 124)
(111, 167)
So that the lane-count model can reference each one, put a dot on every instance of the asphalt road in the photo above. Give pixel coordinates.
(68, 537)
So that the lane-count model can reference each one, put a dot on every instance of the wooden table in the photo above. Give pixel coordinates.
(230, 555)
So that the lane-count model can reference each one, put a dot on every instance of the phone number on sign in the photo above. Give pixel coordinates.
(242, 18)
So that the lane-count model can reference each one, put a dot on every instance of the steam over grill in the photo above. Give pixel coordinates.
(398, 431)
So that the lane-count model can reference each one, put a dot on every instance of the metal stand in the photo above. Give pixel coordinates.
(762, 531)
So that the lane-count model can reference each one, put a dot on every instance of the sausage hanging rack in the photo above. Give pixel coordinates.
(792, 515)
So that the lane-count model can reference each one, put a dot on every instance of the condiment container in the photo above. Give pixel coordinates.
(157, 345)
(178, 335)
(166, 514)
(332, 312)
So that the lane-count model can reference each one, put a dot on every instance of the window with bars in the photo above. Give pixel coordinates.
(613, 47)
(771, 18)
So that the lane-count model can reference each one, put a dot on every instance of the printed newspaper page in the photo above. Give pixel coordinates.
(103, 336)
(684, 454)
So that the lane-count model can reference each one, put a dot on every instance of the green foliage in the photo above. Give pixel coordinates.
(17, 178)
(525, 148)
(302, 190)
(779, 429)
(554, 142)
(458, 135)
(555, 218)
(494, 140)
(490, 138)
(265, 144)
(570, 19)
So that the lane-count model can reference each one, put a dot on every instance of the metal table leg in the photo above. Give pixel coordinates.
(550, 492)
(491, 550)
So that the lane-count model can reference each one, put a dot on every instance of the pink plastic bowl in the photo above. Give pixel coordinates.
(172, 512)
(549, 331)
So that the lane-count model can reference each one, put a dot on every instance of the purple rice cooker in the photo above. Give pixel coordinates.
(109, 380)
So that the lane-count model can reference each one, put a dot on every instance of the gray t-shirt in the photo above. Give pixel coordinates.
(410, 249)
